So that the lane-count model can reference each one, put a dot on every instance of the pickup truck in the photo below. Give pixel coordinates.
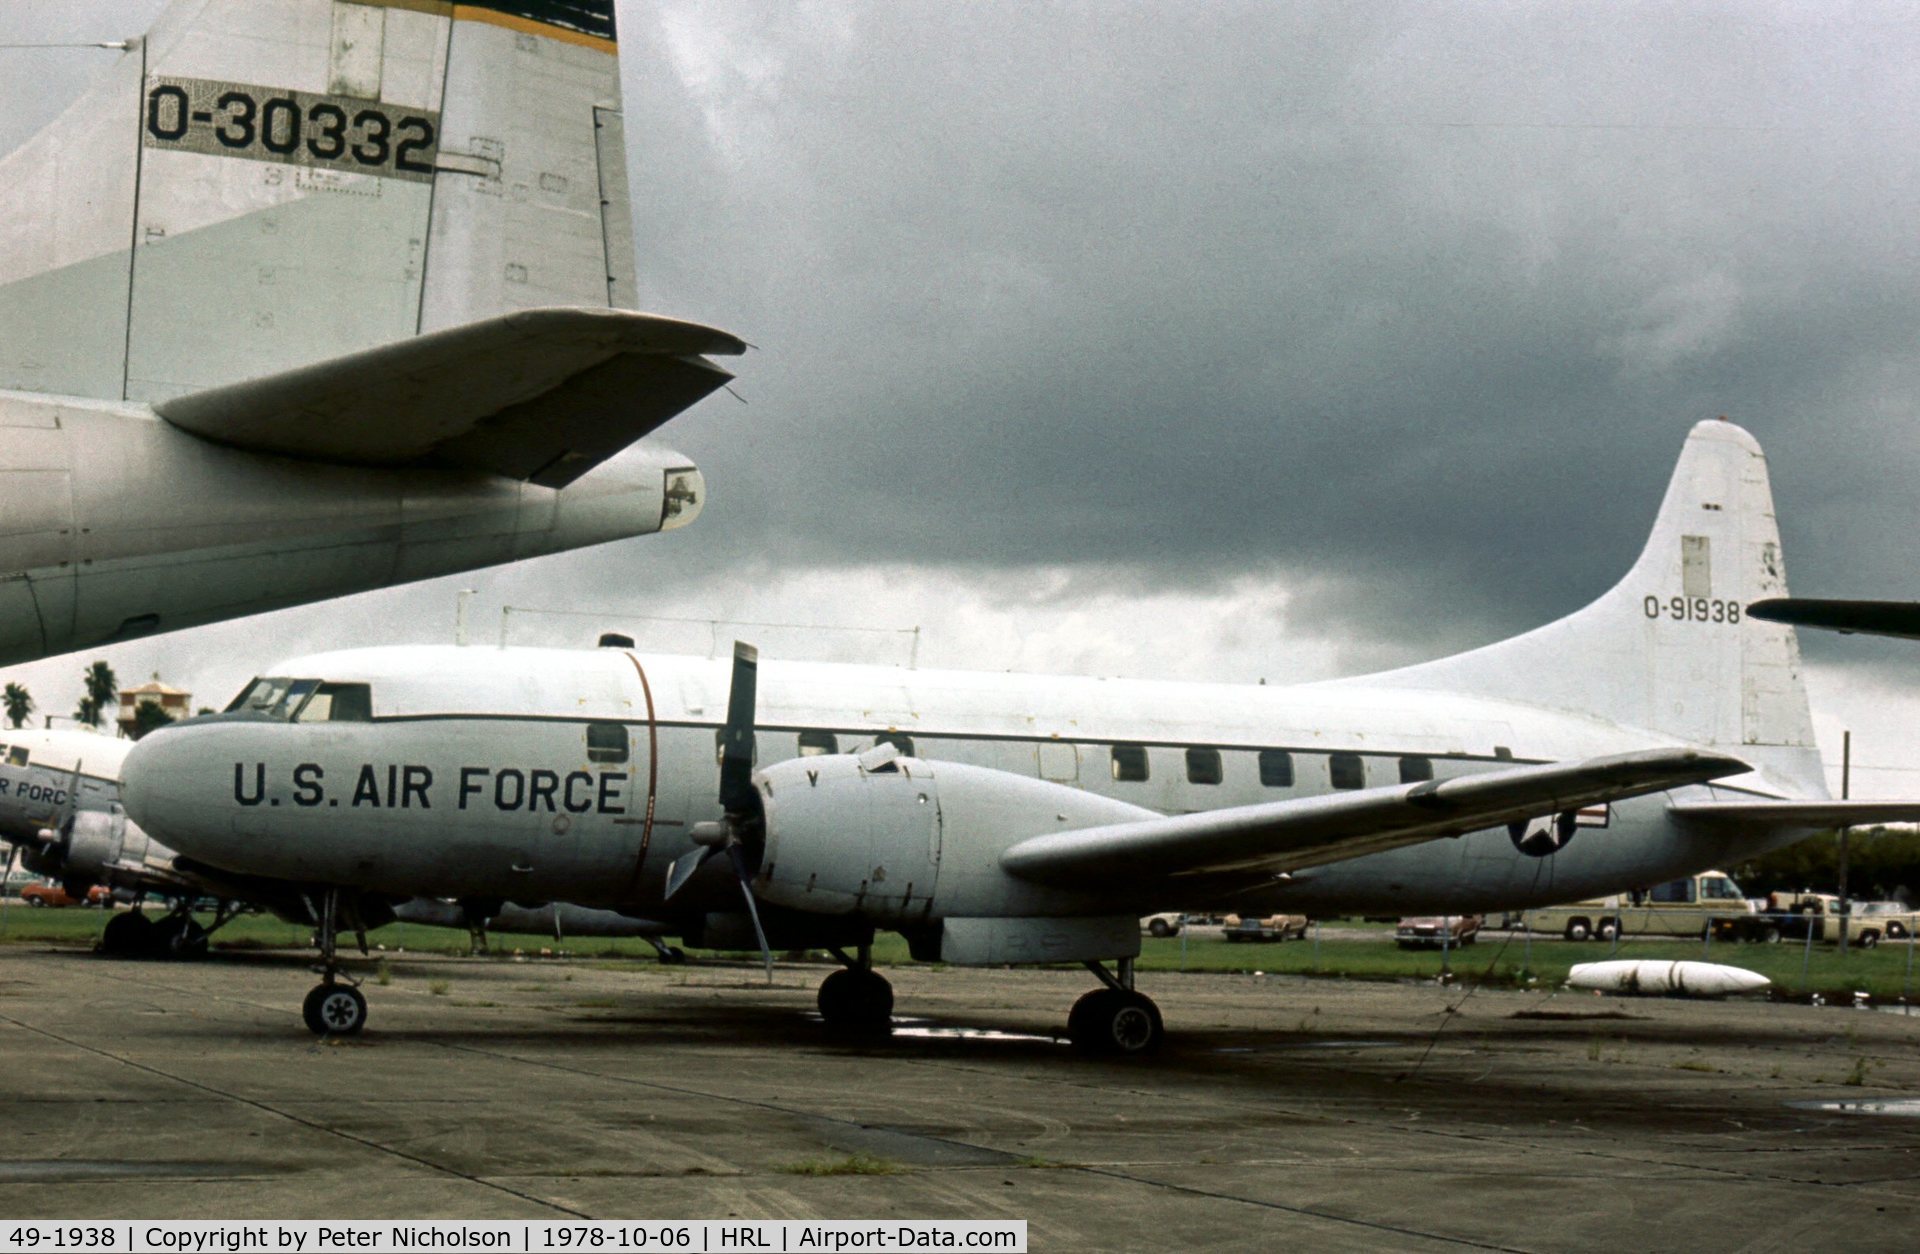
(1819, 913)
(1692, 906)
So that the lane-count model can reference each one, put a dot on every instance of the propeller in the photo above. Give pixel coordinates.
(744, 824)
(56, 837)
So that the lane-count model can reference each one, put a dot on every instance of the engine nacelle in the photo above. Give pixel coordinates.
(904, 841)
(100, 841)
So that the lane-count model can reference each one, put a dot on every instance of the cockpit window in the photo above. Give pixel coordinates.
(17, 756)
(261, 695)
(336, 703)
(306, 701)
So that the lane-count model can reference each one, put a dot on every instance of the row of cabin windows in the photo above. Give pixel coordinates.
(1204, 766)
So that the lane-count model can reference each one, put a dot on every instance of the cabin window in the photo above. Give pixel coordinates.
(1130, 763)
(720, 745)
(337, 703)
(1203, 766)
(1276, 768)
(606, 742)
(1347, 771)
(899, 740)
(814, 744)
(17, 756)
(1673, 892)
(1415, 769)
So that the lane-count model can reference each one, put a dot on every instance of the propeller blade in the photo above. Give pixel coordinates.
(736, 753)
(745, 875)
(682, 868)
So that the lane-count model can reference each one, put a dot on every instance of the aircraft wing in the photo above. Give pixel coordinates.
(1282, 836)
(542, 395)
(1873, 618)
(1812, 816)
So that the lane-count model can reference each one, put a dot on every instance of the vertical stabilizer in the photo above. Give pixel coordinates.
(261, 184)
(1671, 648)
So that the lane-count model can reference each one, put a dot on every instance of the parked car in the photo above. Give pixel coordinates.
(1163, 924)
(1435, 930)
(1271, 927)
(1898, 919)
(47, 893)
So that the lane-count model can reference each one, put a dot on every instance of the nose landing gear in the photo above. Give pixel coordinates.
(335, 1006)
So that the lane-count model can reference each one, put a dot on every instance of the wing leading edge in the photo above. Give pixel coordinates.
(542, 395)
(1289, 835)
(1804, 816)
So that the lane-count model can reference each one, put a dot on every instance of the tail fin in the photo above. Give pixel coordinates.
(1671, 647)
(262, 184)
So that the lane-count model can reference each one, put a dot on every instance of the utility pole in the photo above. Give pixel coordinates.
(1846, 790)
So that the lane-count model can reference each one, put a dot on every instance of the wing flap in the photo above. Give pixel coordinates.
(1810, 816)
(1288, 835)
(542, 395)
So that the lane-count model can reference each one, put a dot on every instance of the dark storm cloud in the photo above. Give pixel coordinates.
(1418, 302)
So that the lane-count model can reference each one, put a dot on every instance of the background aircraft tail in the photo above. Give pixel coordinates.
(1671, 647)
(262, 184)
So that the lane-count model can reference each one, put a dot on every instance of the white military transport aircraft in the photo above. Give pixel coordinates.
(995, 818)
(308, 297)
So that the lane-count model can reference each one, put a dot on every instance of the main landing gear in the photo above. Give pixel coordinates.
(335, 1006)
(1114, 1019)
(856, 998)
(175, 934)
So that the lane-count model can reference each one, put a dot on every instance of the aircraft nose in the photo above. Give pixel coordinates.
(159, 782)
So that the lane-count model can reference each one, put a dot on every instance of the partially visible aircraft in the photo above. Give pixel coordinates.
(996, 819)
(309, 297)
(1868, 618)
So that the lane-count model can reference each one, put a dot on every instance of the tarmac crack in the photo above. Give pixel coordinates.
(1107, 1172)
(290, 1117)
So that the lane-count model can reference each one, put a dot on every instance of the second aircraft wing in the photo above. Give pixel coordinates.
(542, 395)
(1279, 836)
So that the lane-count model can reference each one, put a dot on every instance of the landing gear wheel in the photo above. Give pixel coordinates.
(856, 1000)
(335, 1010)
(128, 935)
(1112, 1021)
(186, 940)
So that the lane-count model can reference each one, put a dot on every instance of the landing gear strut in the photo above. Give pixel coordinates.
(175, 934)
(334, 1007)
(1115, 1019)
(855, 998)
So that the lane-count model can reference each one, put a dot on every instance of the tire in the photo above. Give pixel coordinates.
(127, 935)
(1607, 930)
(1869, 939)
(1160, 928)
(1770, 934)
(853, 1000)
(36, 902)
(1115, 1024)
(334, 1010)
(1896, 931)
(1578, 930)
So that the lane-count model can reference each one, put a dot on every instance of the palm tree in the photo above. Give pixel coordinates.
(103, 692)
(18, 703)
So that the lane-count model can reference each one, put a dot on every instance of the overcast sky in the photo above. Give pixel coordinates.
(1224, 341)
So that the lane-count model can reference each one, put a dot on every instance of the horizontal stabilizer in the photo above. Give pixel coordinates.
(543, 395)
(1288, 835)
(1810, 816)
(1872, 618)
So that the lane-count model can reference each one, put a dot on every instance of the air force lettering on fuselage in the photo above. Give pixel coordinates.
(414, 786)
